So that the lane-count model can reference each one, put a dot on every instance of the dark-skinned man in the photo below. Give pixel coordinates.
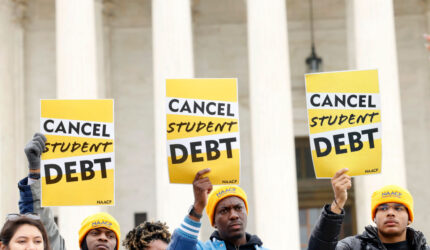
(227, 209)
(99, 231)
(392, 212)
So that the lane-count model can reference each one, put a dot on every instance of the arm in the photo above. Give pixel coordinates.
(30, 192)
(325, 235)
(185, 237)
(30, 203)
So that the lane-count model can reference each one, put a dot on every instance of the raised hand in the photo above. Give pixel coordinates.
(202, 186)
(34, 149)
(340, 183)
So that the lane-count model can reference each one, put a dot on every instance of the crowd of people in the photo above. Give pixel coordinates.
(227, 210)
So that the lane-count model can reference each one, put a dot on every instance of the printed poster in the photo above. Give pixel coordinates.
(78, 164)
(203, 129)
(344, 116)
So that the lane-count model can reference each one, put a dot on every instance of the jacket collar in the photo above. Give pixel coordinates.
(416, 238)
(251, 240)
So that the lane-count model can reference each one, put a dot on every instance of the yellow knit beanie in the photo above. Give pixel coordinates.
(99, 220)
(220, 193)
(393, 193)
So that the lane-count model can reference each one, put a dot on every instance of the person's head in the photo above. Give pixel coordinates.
(227, 210)
(23, 232)
(392, 210)
(99, 231)
(149, 236)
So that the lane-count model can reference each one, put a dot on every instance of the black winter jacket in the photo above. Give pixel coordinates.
(325, 236)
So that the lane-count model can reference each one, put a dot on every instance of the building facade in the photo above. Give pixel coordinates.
(125, 49)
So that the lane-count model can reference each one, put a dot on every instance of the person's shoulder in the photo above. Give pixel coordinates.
(212, 244)
(350, 242)
(417, 237)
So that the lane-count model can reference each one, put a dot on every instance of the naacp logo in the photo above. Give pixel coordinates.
(102, 223)
(391, 195)
(226, 191)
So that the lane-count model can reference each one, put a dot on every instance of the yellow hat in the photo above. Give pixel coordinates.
(220, 193)
(393, 193)
(99, 220)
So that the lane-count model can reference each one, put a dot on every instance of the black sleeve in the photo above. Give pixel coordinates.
(325, 234)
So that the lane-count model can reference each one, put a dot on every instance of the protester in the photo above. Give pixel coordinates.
(23, 231)
(227, 209)
(148, 236)
(392, 212)
(98, 231)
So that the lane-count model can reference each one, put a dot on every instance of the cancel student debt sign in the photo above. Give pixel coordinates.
(344, 122)
(203, 129)
(78, 162)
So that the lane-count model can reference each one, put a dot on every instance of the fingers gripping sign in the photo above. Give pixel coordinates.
(202, 186)
(340, 182)
(33, 151)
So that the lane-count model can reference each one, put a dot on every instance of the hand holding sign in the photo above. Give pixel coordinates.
(34, 149)
(340, 182)
(202, 186)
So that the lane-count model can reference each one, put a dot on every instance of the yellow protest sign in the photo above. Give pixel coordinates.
(203, 129)
(344, 122)
(78, 163)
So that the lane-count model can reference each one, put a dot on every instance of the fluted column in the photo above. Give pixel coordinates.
(12, 159)
(79, 76)
(273, 151)
(173, 58)
(372, 45)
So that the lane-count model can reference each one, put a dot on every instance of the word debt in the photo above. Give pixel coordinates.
(322, 100)
(54, 173)
(200, 107)
(355, 142)
(211, 146)
(76, 128)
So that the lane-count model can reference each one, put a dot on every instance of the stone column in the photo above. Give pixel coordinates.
(79, 76)
(173, 58)
(372, 45)
(12, 158)
(273, 151)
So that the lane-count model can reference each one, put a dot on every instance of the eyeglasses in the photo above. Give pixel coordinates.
(14, 217)
(396, 207)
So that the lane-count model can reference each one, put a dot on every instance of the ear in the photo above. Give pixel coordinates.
(409, 222)
(2, 247)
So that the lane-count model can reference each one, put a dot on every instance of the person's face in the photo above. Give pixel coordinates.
(392, 220)
(101, 239)
(231, 218)
(157, 245)
(26, 237)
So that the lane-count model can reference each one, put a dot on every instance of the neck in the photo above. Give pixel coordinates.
(238, 242)
(392, 238)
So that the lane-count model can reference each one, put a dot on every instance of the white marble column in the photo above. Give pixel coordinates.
(79, 76)
(273, 152)
(173, 58)
(12, 162)
(21, 19)
(372, 44)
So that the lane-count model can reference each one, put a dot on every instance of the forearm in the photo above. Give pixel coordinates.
(30, 203)
(325, 234)
(185, 237)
